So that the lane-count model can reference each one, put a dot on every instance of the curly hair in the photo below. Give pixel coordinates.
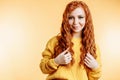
(87, 34)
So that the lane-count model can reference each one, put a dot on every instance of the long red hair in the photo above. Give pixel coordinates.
(65, 37)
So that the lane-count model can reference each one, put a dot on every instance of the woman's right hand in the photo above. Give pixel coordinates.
(64, 57)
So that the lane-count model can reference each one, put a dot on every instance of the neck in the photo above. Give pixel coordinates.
(77, 35)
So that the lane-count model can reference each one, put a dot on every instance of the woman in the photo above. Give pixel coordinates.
(72, 54)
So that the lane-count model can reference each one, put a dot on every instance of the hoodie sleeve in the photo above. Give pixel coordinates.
(47, 64)
(95, 74)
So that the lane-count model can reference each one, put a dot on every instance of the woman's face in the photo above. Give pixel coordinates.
(76, 20)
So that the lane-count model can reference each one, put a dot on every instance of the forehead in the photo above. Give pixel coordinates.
(78, 11)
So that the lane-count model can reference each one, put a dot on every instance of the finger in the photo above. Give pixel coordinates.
(68, 54)
(88, 59)
(85, 60)
(64, 52)
(69, 58)
(67, 61)
(89, 56)
(86, 64)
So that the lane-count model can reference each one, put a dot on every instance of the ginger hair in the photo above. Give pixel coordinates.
(87, 34)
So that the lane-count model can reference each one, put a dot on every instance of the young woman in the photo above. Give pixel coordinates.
(73, 54)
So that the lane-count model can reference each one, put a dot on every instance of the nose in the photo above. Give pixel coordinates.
(76, 21)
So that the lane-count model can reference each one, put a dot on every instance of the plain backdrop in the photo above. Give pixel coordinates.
(27, 25)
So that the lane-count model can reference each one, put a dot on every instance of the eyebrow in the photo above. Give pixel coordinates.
(81, 15)
(77, 15)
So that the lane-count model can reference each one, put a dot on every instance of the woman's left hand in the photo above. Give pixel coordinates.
(90, 61)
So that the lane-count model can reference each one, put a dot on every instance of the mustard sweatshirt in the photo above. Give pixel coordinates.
(75, 72)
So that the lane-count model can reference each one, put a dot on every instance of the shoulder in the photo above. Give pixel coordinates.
(98, 50)
(97, 46)
(52, 41)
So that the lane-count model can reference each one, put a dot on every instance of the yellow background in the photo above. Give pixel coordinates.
(27, 25)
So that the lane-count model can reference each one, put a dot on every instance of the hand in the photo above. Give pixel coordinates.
(64, 57)
(90, 61)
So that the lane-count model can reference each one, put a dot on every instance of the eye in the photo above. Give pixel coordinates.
(80, 17)
(70, 17)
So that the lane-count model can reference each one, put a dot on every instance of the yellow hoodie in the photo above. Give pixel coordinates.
(75, 72)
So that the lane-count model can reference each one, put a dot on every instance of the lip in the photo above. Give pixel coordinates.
(75, 26)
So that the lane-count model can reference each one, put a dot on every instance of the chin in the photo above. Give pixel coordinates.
(77, 31)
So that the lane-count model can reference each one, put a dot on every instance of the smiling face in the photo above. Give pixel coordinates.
(76, 20)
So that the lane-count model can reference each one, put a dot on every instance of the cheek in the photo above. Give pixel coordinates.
(83, 21)
(70, 22)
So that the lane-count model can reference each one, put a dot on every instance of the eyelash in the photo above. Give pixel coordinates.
(80, 17)
(70, 17)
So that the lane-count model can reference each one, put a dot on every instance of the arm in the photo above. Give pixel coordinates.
(48, 64)
(95, 74)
